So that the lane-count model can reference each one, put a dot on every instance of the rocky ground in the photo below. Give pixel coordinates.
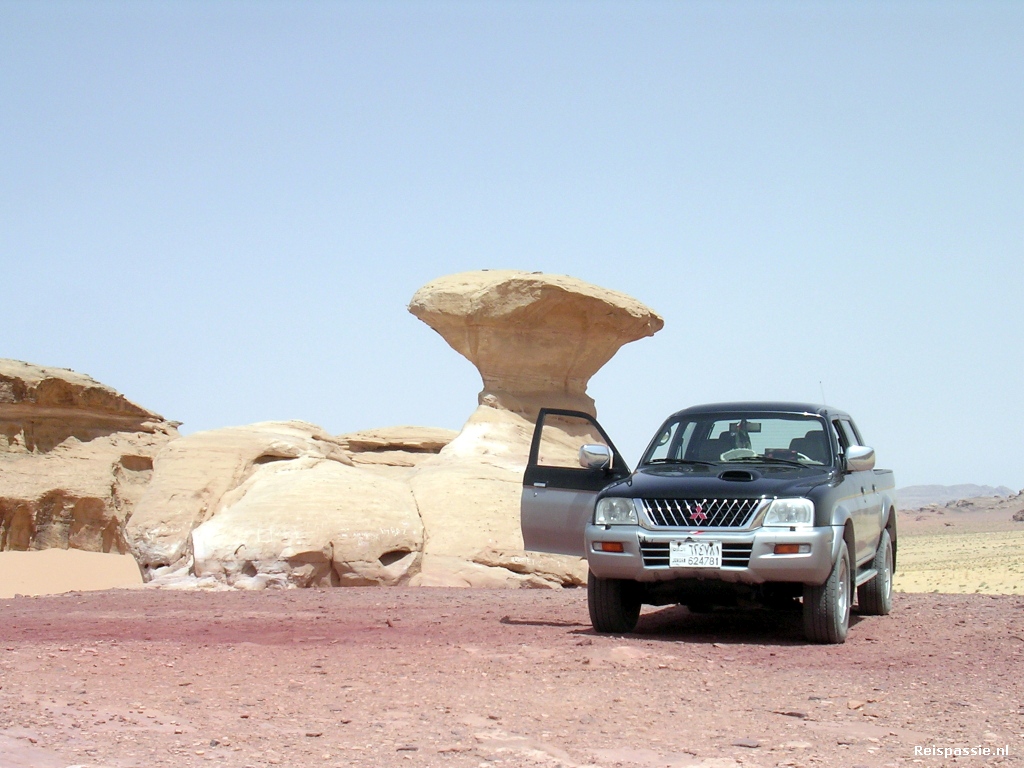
(481, 678)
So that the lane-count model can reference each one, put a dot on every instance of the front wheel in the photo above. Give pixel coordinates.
(827, 606)
(875, 597)
(614, 604)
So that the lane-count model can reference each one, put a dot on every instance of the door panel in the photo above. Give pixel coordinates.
(553, 519)
(558, 494)
(860, 485)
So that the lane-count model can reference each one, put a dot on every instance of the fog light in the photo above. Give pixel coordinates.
(608, 546)
(792, 549)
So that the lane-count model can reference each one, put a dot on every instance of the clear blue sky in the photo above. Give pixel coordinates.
(222, 208)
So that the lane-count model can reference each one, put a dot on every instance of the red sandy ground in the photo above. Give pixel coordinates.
(471, 678)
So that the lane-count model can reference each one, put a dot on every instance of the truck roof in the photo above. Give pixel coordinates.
(762, 407)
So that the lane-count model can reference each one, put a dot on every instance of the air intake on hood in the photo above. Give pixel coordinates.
(738, 475)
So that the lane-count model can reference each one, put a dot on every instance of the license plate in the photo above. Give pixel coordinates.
(695, 554)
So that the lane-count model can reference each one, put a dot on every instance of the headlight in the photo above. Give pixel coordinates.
(615, 512)
(790, 512)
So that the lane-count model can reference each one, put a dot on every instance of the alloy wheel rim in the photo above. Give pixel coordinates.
(887, 575)
(844, 590)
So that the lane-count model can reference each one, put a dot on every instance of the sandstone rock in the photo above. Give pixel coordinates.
(193, 474)
(75, 456)
(393, 451)
(422, 441)
(42, 407)
(450, 571)
(283, 503)
(536, 340)
(311, 522)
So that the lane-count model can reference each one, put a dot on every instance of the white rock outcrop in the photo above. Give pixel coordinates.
(281, 504)
(312, 522)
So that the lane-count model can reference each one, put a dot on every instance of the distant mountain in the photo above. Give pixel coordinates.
(917, 496)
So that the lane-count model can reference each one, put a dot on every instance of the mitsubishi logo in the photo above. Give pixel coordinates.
(697, 515)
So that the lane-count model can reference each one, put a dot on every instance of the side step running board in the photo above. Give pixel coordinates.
(866, 576)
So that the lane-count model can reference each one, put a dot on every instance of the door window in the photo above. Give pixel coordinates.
(849, 433)
(561, 438)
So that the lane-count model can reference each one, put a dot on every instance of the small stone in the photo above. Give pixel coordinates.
(855, 704)
(314, 734)
(747, 743)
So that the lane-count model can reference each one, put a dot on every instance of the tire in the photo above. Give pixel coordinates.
(875, 597)
(614, 604)
(827, 607)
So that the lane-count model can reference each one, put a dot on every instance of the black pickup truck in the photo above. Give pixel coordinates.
(777, 503)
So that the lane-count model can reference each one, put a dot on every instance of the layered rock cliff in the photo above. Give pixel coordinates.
(75, 457)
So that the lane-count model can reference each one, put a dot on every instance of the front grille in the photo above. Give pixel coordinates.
(655, 554)
(700, 513)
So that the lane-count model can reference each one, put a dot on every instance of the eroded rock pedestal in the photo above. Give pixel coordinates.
(536, 340)
(75, 457)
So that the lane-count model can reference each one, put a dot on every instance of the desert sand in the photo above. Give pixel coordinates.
(967, 546)
(53, 571)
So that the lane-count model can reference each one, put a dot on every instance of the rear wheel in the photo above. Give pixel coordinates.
(614, 604)
(875, 597)
(827, 606)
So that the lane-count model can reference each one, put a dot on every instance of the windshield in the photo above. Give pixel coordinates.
(742, 438)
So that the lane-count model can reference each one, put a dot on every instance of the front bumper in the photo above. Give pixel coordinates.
(748, 556)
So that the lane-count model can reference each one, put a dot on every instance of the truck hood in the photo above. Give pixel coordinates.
(743, 481)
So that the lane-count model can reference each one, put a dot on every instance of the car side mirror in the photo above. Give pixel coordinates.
(860, 458)
(595, 456)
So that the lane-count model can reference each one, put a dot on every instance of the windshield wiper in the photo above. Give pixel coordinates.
(770, 459)
(681, 461)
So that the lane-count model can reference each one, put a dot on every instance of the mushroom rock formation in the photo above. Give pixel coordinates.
(75, 457)
(536, 340)
(278, 504)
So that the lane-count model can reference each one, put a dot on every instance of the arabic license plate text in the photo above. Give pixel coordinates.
(695, 554)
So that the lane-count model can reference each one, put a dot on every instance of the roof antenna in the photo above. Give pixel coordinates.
(822, 386)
